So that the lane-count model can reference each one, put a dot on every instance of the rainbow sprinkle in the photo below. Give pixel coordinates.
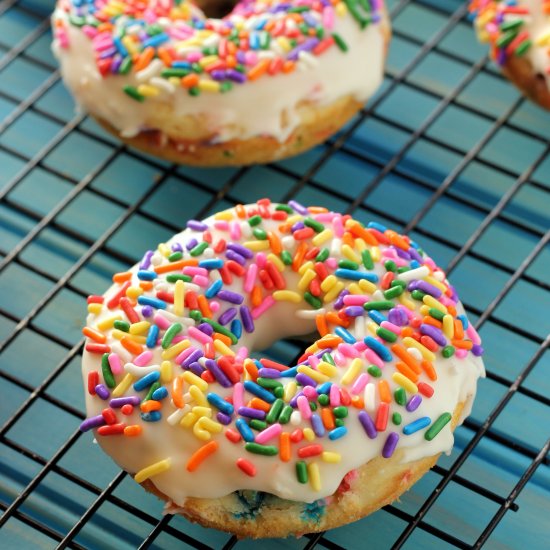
(178, 301)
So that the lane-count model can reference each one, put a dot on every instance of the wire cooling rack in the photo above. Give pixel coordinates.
(447, 151)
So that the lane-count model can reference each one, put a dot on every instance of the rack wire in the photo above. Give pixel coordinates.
(447, 151)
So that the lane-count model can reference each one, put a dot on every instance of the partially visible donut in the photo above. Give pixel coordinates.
(519, 36)
(253, 446)
(268, 80)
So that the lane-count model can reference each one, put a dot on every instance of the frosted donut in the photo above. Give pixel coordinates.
(253, 446)
(268, 80)
(519, 36)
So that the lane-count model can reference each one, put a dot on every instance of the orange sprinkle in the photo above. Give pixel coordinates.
(164, 56)
(251, 369)
(284, 228)
(358, 402)
(321, 324)
(347, 238)
(260, 404)
(223, 338)
(198, 457)
(258, 70)
(176, 266)
(241, 212)
(122, 277)
(384, 390)
(333, 318)
(398, 240)
(288, 66)
(407, 371)
(132, 431)
(429, 370)
(177, 392)
(360, 232)
(459, 329)
(284, 446)
(203, 306)
(329, 342)
(298, 259)
(462, 344)
(144, 59)
(406, 331)
(94, 335)
(431, 321)
(406, 357)
(131, 346)
(150, 405)
(256, 296)
(451, 310)
(190, 81)
(275, 243)
(328, 418)
(146, 285)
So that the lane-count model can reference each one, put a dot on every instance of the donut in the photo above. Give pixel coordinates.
(268, 80)
(243, 442)
(519, 36)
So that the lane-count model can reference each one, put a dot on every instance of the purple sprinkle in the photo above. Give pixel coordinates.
(234, 75)
(147, 311)
(368, 424)
(230, 296)
(317, 425)
(428, 289)
(246, 317)
(269, 373)
(397, 317)
(297, 226)
(294, 401)
(192, 358)
(434, 333)
(298, 207)
(354, 311)
(109, 52)
(249, 412)
(305, 380)
(223, 418)
(240, 249)
(196, 368)
(339, 302)
(414, 402)
(227, 316)
(196, 225)
(390, 444)
(146, 261)
(118, 402)
(191, 244)
(477, 350)
(176, 247)
(92, 422)
(115, 65)
(415, 255)
(402, 253)
(206, 329)
(235, 256)
(501, 56)
(218, 74)
(307, 45)
(102, 392)
(219, 375)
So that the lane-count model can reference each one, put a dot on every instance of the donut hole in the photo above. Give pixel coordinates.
(216, 9)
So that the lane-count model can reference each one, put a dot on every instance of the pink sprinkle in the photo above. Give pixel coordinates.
(360, 346)
(472, 333)
(235, 230)
(268, 302)
(389, 253)
(331, 263)
(373, 358)
(201, 281)
(461, 353)
(430, 263)
(250, 278)
(261, 260)
(238, 395)
(114, 363)
(162, 322)
(184, 355)
(309, 392)
(390, 326)
(242, 353)
(360, 383)
(198, 335)
(356, 299)
(446, 301)
(334, 396)
(328, 18)
(214, 306)
(143, 358)
(251, 58)
(338, 226)
(303, 406)
(62, 37)
(221, 225)
(192, 271)
(339, 359)
(269, 433)
(313, 361)
(324, 217)
(89, 31)
(178, 338)
(348, 350)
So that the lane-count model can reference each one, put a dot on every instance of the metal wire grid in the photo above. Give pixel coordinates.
(307, 179)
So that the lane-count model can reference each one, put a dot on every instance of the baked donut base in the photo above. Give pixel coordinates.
(318, 124)
(379, 482)
(520, 71)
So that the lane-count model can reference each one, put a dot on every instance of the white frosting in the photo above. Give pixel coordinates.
(266, 107)
(218, 475)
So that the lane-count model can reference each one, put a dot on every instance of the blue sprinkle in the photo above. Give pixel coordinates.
(463, 320)
(153, 416)
(152, 336)
(160, 393)
(153, 302)
(289, 373)
(236, 328)
(414, 264)
(144, 275)
(376, 316)
(417, 425)
(213, 289)
(244, 429)
(317, 425)
(214, 263)
(181, 65)
(219, 403)
(258, 391)
(155, 40)
(356, 275)
(324, 388)
(147, 380)
(377, 226)
(337, 433)
(378, 348)
(346, 335)
(120, 46)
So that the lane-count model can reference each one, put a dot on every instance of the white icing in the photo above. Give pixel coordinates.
(218, 475)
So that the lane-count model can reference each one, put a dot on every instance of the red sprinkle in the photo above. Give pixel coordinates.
(297, 435)
(232, 435)
(247, 467)
(109, 416)
(425, 389)
(113, 429)
(93, 381)
(382, 416)
(98, 348)
(127, 409)
(114, 301)
(310, 450)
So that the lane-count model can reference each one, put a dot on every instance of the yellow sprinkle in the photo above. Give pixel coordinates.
(192, 378)
(286, 46)
(328, 283)
(209, 86)
(123, 385)
(350, 254)
(312, 373)
(120, 334)
(436, 283)
(129, 44)
(314, 476)
(327, 369)
(307, 277)
(448, 326)
(140, 328)
(309, 434)
(293, 219)
(360, 244)
(133, 292)
(372, 327)
(205, 427)
(208, 60)
(164, 249)
(174, 80)
(147, 90)
(107, 323)
(412, 343)
(153, 470)
(223, 348)
(312, 349)
(166, 371)
(333, 292)
(202, 410)
(188, 420)
(95, 309)
(424, 310)
(331, 458)
(199, 398)
(354, 289)
(404, 382)
(367, 287)
(175, 350)
(179, 297)
(305, 267)
(290, 391)
(543, 39)
(352, 372)
(375, 254)
(287, 296)
(226, 215)
(432, 302)
(277, 261)
(322, 237)
(257, 246)
(404, 301)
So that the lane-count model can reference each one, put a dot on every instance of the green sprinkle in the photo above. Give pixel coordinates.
(340, 42)
(284, 417)
(352, 8)
(125, 66)
(133, 93)
(279, 392)
(194, 91)
(174, 277)
(298, 9)
(313, 301)
(196, 315)
(400, 396)
(511, 25)
(320, 33)
(367, 259)
(258, 425)
(268, 383)
(255, 220)
(396, 418)
(397, 282)
(77, 21)
(523, 47)
(504, 39)
(418, 295)
(154, 387)
(175, 256)
(390, 266)
(225, 87)
(107, 372)
(124, 326)
(379, 305)
(220, 328)
(323, 255)
(437, 426)
(257, 449)
(375, 371)
(436, 314)
(313, 406)
(327, 358)
(348, 264)
(260, 234)
(403, 269)
(324, 399)
(170, 334)
(340, 412)
(284, 208)
(301, 471)
(275, 410)
(314, 224)
(199, 249)
(393, 292)
(178, 73)
(197, 68)
(386, 334)
(286, 256)
(448, 351)
(339, 422)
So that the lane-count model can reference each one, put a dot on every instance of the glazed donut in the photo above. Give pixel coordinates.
(253, 446)
(519, 36)
(268, 80)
